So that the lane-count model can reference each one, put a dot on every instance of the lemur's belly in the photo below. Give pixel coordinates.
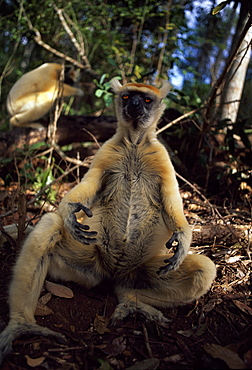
(127, 214)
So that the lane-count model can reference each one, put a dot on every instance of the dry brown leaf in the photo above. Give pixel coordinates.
(174, 358)
(34, 362)
(45, 298)
(230, 357)
(233, 296)
(36, 346)
(211, 304)
(59, 290)
(58, 325)
(115, 348)
(42, 310)
(243, 307)
(233, 259)
(101, 324)
(186, 333)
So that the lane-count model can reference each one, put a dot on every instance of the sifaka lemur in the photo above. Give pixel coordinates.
(120, 224)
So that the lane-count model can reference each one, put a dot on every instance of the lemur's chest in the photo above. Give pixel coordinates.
(129, 201)
(133, 174)
(130, 207)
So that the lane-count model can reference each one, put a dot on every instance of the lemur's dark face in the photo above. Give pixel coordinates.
(137, 106)
(71, 76)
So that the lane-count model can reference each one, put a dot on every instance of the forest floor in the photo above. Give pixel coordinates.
(212, 333)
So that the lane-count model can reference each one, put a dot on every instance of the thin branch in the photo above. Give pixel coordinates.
(68, 30)
(79, 33)
(178, 120)
(80, 49)
(214, 209)
(162, 52)
(146, 341)
(93, 137)
(66, 158)
(133, 50)
(40, 42)
(196, 190)
(136, 40)
(52, 128)
(8, 64)
(120, 64)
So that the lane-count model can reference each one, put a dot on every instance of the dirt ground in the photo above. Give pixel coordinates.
(213, 333)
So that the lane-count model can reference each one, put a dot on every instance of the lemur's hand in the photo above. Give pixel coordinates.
(173, 262)
(78, 230)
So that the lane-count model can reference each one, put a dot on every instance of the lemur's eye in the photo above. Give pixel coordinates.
(148, 100)
(125, 97)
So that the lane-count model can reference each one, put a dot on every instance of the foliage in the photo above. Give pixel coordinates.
(116, 39)
(219, 7)
(145, 41)
(103, 90)
(32, 169)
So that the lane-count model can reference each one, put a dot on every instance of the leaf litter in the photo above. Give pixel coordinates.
(198, 334)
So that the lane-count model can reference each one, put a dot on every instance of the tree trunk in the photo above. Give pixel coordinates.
(70, 129)
(224, 45)
(234, 79)
(226, 234)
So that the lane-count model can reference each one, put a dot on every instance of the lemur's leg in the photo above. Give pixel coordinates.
(39, 256)
(190, 281)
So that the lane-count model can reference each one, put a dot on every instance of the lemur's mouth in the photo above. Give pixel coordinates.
(134, 113)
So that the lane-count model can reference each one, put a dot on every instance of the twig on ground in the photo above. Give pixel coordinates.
(146, 340)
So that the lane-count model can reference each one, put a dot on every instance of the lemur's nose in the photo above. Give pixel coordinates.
(136, 101)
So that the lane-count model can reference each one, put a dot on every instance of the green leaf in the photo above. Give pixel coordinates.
(173, 98)
(99, 93)
(6, 160)
(108, 99)
(103, 78)
(219, 7)
(37, 145)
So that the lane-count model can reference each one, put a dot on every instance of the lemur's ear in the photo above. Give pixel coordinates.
(165, 89)
(115, 85)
